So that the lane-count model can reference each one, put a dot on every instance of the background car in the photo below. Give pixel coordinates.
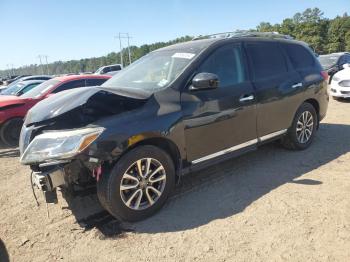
(340, 85)
(25, 78)
(21, 87)
(14, 78)
(14, 108)
(109, 69)
(333, 63)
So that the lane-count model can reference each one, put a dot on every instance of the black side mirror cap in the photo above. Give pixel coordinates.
(203, 81)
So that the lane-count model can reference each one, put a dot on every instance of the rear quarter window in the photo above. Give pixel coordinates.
(299, 56)
(266, 59)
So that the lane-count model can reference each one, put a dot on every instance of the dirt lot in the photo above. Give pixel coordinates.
(269, 205)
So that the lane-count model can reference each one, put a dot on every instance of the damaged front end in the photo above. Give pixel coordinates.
(63, 140)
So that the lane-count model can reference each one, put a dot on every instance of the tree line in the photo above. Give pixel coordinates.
(322, 34)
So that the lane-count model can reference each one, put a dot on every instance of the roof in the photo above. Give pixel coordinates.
(202, 42)
(196, 45)
(78, 77)
(28, 82)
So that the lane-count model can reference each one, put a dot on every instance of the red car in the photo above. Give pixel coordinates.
(14, 108)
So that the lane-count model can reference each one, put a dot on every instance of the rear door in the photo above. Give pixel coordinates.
(218, 119)
(278, 87)
(305, 63)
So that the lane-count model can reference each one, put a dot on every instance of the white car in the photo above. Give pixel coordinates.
(340, 85)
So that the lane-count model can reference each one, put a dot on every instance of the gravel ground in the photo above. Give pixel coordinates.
(269, 205)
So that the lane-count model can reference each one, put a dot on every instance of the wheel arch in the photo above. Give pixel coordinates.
(163, 143)
(316, 105)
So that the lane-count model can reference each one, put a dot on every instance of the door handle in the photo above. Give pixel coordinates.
(297, 85)
(246, 98)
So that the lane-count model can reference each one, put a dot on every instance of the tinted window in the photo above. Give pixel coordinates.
(41, 89)
(266, 59)
(347, 59)
(28, 87)
(115, 68)
(299, 56)
(226, 63)
(95, 82)
(69, 85)
(344, 59)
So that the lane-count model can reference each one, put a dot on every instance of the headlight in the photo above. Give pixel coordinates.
(58, 145)
(344, 83)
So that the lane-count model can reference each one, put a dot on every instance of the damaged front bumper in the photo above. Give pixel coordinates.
(48, 181)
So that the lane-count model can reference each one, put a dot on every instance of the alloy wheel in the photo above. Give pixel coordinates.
(143, 183)
(305, 127)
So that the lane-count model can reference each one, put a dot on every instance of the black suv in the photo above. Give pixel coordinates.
(175, 110)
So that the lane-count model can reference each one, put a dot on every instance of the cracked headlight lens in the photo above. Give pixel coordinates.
(58, 145)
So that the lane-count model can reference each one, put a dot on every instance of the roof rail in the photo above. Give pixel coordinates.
(242, 33)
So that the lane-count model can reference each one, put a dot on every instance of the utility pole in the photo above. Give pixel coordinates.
(124, 36)
(8, 70)
(41, 64)
(121, 50)
(47, 65)
(127, 34)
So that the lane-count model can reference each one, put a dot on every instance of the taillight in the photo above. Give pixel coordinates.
(325, 75)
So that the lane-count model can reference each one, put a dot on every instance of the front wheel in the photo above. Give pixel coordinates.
(138, 185)
(303, 129)
(10, 131)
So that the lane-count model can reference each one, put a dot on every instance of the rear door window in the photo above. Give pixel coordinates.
(29, 87)
(226, 63)
(69, 85)
(266, 59)
(115, 68)
(347, 59)
(95, 82)
(299, 56)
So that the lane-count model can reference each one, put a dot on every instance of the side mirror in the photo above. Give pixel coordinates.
(205, 81)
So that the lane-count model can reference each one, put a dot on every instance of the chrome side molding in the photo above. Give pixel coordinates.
(240, 146)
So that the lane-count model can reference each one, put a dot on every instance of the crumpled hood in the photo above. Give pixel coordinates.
(11, 100)
(60, 103)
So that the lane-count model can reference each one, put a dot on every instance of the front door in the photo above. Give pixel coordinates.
(224, 118)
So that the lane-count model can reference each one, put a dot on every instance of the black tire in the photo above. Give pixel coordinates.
(109, 191)
(10, 132)
(291, 141)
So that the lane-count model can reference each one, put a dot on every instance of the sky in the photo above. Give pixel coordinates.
(67, 29)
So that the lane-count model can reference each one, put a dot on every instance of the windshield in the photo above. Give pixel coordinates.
(327, 61)
(152, 72)
(99, 70)
(41, 89)
(13, 89)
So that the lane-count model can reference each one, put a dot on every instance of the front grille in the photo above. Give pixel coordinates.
(345, 92)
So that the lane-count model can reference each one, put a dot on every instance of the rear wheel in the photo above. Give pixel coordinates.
(138, 185)
(303, 129)
(10, 132)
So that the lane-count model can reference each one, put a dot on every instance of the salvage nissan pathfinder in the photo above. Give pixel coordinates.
(175, 110)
